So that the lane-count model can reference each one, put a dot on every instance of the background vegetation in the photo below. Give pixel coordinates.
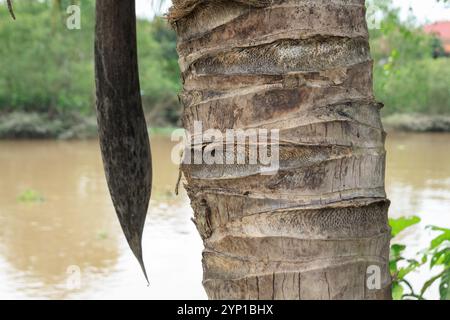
(435, 258)
(47, 70)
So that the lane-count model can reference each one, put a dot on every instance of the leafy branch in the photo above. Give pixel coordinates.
(437, 254)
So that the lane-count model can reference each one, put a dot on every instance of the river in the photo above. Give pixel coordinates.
(60, 239)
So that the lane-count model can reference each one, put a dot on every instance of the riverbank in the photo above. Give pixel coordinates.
(417, 123)
(20, 125)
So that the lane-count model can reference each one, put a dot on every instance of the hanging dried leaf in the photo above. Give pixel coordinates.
(122, 128)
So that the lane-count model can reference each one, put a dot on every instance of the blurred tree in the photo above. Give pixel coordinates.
(49, 69)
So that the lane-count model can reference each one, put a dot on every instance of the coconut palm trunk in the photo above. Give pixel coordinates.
(317, 228)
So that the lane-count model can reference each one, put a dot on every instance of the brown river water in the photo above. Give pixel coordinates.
(60, 239)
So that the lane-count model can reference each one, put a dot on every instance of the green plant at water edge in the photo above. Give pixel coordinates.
(102, 235)
(30, 196)
(436, 256)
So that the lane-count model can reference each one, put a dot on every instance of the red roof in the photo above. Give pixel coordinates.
(441, 29)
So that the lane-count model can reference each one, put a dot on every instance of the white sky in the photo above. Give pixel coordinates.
(424, 10)
(146, 8)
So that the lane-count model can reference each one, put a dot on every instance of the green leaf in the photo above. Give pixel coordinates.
(424, 259)
(30, 196)
(400, 224)
(444, 236)
(397, 249)
(393, 268)
(403, 272)
(395, 256)
(440, 257)
(429, 282)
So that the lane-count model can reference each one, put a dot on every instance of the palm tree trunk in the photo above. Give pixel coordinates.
(315, 228)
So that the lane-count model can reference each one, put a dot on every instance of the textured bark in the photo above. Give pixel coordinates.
(304, 67)
(122, 128)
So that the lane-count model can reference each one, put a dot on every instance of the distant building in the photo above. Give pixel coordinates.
(442, 31)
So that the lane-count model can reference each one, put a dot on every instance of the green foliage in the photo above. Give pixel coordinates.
(419, 87)
(436, 256)
(406, 77)
(30, 196)
(400, 224)
(159, 72)
(47, 68)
